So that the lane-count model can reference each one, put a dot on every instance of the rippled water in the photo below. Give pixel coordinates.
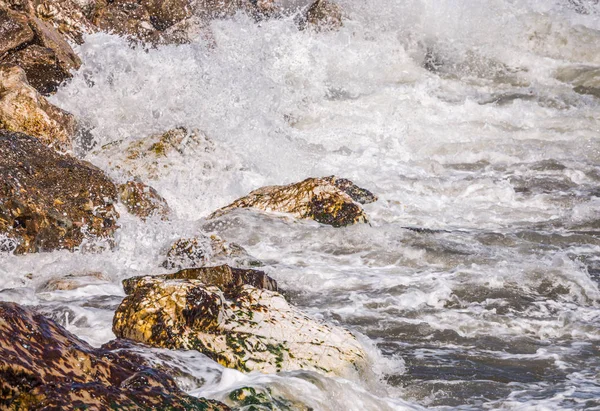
(475, 122)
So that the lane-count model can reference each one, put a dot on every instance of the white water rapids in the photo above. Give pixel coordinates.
(476, 283)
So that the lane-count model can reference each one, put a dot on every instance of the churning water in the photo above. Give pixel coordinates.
(477, 123)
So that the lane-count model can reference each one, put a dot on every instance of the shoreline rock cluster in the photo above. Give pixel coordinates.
(50, 200)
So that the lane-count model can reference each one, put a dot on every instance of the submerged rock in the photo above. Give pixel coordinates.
(247, 327)
(202, 250)
(153, 156)
(50, 201)
(584, 79)
(319, 199)
(43, 366)
(142, 200)
(24, 110)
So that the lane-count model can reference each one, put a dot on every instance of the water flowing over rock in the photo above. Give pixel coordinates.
(248, 327)
(50, 201)
(201, 250)
(319, 199)
(585, 79)
(23, 109)
(43, 366)
(142, 200)
(155, 155)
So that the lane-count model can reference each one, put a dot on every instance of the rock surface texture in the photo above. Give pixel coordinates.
(236, 318)
(50, 201)
(43, 366)
(142, 200)
(24, 110)
(319, 199)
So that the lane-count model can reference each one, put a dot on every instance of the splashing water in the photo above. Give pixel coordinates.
(476, 283)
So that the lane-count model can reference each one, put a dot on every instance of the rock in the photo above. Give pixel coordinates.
(43, 366)
(69, 17)
(584, 79)
(73, 282)
(142, 200)
(227, 278)
(43, 70)
(50, 201)
(244, 327)
(14, 30)
(322, 15)
(36, 46)
(360, 195)
(314, 198)
(202, 250)
(23, 109)
(153, 156)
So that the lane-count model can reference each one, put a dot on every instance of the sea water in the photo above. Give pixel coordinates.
(475, 285)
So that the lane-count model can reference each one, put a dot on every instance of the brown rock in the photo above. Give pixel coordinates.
(23, 109)
(50, 201)
(244, 327)
(223, 276)
(44, 71)
(49, 37)
(43, 366)
(142, 200)
(14, 30)
(318, 199)
(322, 15)
(69, 17)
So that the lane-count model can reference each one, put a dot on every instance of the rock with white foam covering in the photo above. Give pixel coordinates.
(242, 326)
(319, 199)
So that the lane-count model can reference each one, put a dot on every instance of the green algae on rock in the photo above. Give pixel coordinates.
(50, 201)
(319, 199)
(43, 366)
(247, 327)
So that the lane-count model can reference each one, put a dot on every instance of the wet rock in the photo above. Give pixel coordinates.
(314, 198)
(35, 45)
(155, 155)
(584, 79)
(43, 366)
(244, 327)
(42, 68)
(202, 250)
(69, 17)
(14, 30)
(358, 194)
(227, 278)
(24, 110)
(50, 201)
(142, 200)
(73, 281)
(322, 15)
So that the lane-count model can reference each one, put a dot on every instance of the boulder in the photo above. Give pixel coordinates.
(43, 366)
(14, 30)
(203, 250)
(247, 327)
(23, 109)
(35, 45)
(142, 200)
(41, 66)
(319, 199)
(50, 201)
